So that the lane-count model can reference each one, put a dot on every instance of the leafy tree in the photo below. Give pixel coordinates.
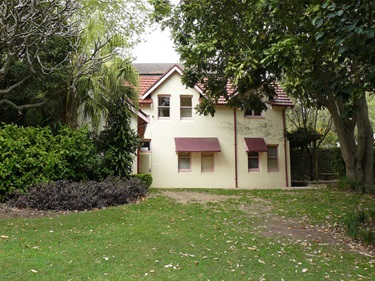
(325, 53)
(57, 80)
(119, 141)
(28, 29)
(308, 128)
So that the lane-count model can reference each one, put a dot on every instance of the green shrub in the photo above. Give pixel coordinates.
(338, 163)
(66, 195)
(32, 154)
(360, 225)
(118, 142)
(146, 178)
(345, 183)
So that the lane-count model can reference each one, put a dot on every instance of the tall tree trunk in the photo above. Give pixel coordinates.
(365, 150)
(316, 162)
(345, 134)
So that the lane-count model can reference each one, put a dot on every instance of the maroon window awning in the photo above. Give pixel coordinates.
(256, 144)
(197, 145)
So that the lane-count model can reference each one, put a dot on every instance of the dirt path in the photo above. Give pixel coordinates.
(274, 225)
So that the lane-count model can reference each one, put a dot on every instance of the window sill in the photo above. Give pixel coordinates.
(184, 170)
(273, 170)
(254, 117)
(253, 170)
(207, 171)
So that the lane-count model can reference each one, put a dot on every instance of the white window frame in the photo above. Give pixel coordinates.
(164, 107)
(273, 169)
(249, 156)
(183, 155)
(206, 155)
(250, 113)
(186, 107)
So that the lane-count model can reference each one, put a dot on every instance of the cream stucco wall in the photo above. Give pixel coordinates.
(164, 159)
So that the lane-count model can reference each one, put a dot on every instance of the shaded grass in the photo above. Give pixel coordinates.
(159, 239)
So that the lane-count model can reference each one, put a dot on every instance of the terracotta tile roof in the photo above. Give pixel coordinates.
(281, 98)
(146, 82)
(150, 74)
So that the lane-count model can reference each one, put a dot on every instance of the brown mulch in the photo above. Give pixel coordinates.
(7, 212)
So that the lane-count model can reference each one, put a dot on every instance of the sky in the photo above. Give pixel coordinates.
(158, 46)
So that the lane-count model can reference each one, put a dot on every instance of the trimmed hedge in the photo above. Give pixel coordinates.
(29, 155)
(146, 178)
(66, 195)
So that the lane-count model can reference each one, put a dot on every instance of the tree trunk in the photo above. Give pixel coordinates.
(316, 163)
(345, 134)
(365, 150)
(357, 154)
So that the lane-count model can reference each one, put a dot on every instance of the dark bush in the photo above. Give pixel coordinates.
(146, 178)
(67, 195)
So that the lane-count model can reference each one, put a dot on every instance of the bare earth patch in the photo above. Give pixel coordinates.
(185, 197)
(7, 212)
(274, 225)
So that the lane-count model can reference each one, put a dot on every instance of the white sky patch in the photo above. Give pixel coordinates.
(157, 48)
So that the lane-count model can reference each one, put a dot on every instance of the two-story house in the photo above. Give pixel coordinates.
(233, 149)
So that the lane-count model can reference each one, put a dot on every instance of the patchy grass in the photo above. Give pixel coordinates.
(251, 235)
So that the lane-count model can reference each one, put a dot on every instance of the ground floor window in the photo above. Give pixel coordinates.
(253, 161)
(207, 162)
(272, 158)
(184, 162)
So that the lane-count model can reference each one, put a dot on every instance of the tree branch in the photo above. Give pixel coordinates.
(10, 88)
(19, 108)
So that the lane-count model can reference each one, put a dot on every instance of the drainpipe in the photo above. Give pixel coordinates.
(235, 147)
(285, 150)
(138, 148)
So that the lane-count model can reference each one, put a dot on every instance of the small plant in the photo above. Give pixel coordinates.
(66, 195)
(360, 225)
(146, 178)
(348, 184)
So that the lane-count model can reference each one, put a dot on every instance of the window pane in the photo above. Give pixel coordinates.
(272, 157)
(164, 101)
(272, 151)
(184, 161)
(186, 101)
(207, 161)
(248, 112)
(253, 160)
(272, 163)
(253, 163)
(163, 106)
(163, 112)
(186, 112)
(145, 146)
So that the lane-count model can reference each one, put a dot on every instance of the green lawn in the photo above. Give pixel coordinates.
(256, 235)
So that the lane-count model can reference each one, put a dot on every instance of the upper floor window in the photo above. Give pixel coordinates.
(253, 161)
(272, 158)
(186, 107)
(164, 108)
(253, 113)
